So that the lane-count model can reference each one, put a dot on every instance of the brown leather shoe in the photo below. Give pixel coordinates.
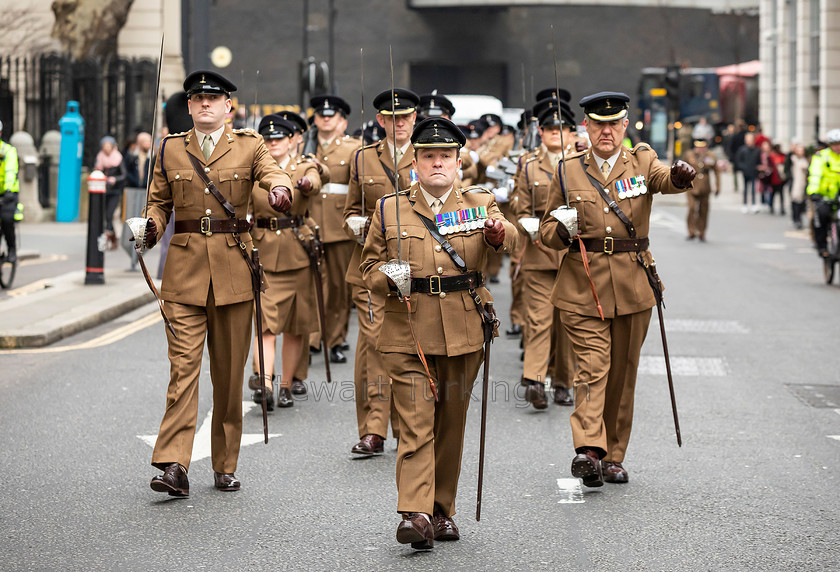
(587, 466)
(369, 445)
(227, 481)
(444, 527)
(298, 387)
(416, 529)
(173, 481)
(284, 398)
(535, 395)
(614, 472)
(563, 396)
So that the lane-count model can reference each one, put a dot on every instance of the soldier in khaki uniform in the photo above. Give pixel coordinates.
(606, 349)
(288, 305)
(705, 163)
(207, 284)
(436, 105)
(444, 318)
(371, 178)
(547, 348)
(335, 150)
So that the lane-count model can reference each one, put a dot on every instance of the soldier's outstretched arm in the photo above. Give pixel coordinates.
(266, 170)
(375, 254)
(511, 233)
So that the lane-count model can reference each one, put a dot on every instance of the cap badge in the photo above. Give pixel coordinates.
(202, 79)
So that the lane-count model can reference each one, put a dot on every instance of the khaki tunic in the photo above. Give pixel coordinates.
(705, 163)
(607, 352)
(207, 287)
(431, 433)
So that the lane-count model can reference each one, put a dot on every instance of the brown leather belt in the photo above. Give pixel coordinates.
(609, 245)
(437, 284)
(207, 225)
(277, 223)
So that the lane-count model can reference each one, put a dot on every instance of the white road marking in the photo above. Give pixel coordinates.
(770, 246)
(103, 340)
(667, 220)
(704, 326)
(43, 260)
(571, 491)
(687, 366)
(835, 437)
(201, 444)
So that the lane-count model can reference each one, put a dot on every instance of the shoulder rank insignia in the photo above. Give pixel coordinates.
(476, 189)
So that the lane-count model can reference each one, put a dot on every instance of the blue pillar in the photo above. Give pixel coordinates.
(72, 128)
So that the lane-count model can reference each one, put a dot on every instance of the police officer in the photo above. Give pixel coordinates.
(823, 188)
(288, 305)
(444, 318)
(9, 187)
(372, 176)
(606, 333)
(335, 151)
(704, 163)
(207, 282)
(547, 348)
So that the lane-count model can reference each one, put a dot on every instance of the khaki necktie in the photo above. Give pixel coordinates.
(437, 206)
(207, 147)
(399, 155)
(605, 169)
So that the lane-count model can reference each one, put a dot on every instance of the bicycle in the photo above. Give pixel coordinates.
(7, 269)
(832, 245)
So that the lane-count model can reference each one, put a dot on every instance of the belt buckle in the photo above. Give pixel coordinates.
(273, 224)
(608, 245)
(204, 225)
(432, 285)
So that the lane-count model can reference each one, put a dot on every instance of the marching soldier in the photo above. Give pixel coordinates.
(335, 151)
(301, 126)
(372, 176)
(606, 306)
(705, 164)
(444, 321)
(547, 348)
(288, 305)
(434, 105)
(206, 175)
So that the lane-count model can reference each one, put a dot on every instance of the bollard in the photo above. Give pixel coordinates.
(95, 261)
(70, 163)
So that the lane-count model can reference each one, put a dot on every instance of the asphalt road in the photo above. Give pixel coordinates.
(753, 334)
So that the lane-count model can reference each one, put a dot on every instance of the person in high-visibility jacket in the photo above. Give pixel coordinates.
(824, 186)
(8, 195)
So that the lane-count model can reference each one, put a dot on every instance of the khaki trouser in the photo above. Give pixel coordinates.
(228, 332)
(698, 214)
(371, 382)
(431, 434)
(337, 290)
(547, 347)
(607, 355)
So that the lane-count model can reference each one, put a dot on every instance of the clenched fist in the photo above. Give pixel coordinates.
(150, 237)
(280, 199)
(494, 232)
(682, 174)
(304, 184)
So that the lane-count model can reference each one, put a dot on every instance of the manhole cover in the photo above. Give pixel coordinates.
(827, 396)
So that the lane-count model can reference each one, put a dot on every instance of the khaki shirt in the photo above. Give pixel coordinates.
(196, 260)
(445, 324)
(619, 279)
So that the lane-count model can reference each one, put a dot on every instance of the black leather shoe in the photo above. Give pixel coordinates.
(369, 446)
(344, 346)
(514, 331)
(315, 349)
(614, 472)
(336, 355)
(535, 395)
(563, 396)
(284, 398)
(254, 382)
(258, 396)
(173, 481)
(444, 527)
(226, 481)
(493, 279)
(587, 466)
(416, 529)
(298, 387)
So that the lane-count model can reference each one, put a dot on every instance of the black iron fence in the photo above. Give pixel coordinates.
(115, 97)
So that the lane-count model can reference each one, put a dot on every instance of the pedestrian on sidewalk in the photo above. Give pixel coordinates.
(110, 161)
(799, 181)
(747, 160)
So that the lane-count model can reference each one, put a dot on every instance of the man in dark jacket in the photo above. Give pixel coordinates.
(747, 159)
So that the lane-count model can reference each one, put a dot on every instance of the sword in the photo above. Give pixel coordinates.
(138, 224)
(362, 111)
(256, 281)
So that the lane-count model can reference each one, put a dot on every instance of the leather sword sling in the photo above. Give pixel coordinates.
(489, 325)
(254, 266)
(653, 280)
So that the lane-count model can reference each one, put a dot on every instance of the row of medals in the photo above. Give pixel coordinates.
(461, 221)
(632, 187)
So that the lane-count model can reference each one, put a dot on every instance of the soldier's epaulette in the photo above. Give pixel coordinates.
(373, 145)
(245, 131)
(405, 192)
(181, 134)
(475, 189)
(575, 155)
(641, 145)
